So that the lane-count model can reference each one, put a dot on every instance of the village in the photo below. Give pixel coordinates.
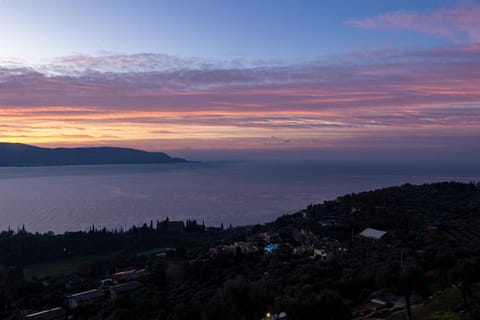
(346, 255)
(268, 245)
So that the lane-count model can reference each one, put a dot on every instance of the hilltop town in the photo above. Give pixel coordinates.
(385, 254)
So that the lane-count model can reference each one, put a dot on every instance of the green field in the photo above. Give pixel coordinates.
(62, 266)
(68, 265)
(443, 307)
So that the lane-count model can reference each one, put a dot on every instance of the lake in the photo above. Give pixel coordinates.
(238, 193)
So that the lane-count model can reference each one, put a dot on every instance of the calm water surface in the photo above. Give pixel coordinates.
(74, 198)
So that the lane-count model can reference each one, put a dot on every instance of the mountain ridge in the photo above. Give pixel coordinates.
(24, 155)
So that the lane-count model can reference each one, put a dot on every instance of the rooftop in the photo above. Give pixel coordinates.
(372, 233)
(54, 313)
(125, 287)
(86, 295)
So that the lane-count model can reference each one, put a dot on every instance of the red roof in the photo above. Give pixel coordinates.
(433, 273)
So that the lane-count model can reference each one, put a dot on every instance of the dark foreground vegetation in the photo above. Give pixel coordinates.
(315, 264)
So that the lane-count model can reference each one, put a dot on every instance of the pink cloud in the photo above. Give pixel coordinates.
(452, 23)
(425, 93)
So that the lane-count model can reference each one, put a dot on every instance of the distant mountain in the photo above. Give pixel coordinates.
(22, 155)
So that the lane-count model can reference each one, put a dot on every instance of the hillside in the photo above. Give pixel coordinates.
(313, 262)
(22, 155)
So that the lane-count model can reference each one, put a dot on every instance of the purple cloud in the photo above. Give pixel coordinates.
(457, 24)
(319, 103)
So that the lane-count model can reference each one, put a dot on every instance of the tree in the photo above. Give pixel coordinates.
(464, 274)
(327, 303)
(123, 314)
(247, 300)
(445, 260)
(411, 279)
(407, 280)
(385, 277)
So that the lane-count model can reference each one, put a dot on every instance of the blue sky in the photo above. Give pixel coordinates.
(215, 29)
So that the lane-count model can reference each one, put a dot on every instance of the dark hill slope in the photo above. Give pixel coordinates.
(22, 155)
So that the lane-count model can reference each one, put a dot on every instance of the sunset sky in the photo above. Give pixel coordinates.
(197, 78)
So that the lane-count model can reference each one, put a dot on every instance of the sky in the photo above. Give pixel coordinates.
(218, 79)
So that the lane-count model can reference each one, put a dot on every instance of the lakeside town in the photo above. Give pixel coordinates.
(392, 253)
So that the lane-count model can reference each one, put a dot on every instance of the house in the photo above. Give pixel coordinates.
(379, 302)
(278, 316)
(323, 254)
(106, 283)
(245, 248)
(166, 252)
(74, 282)
(303, 250)
(433, 273)
(263, 238)
(371, 233)
(278, 249)
(222, 251)
(175, 227)
(384, 298)
(77, 299)
(326, 248)
(50, 314)
(124, 289)
(302, 236)
(355, 211)
(233, 249)
(306, 214)
(132, 274)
